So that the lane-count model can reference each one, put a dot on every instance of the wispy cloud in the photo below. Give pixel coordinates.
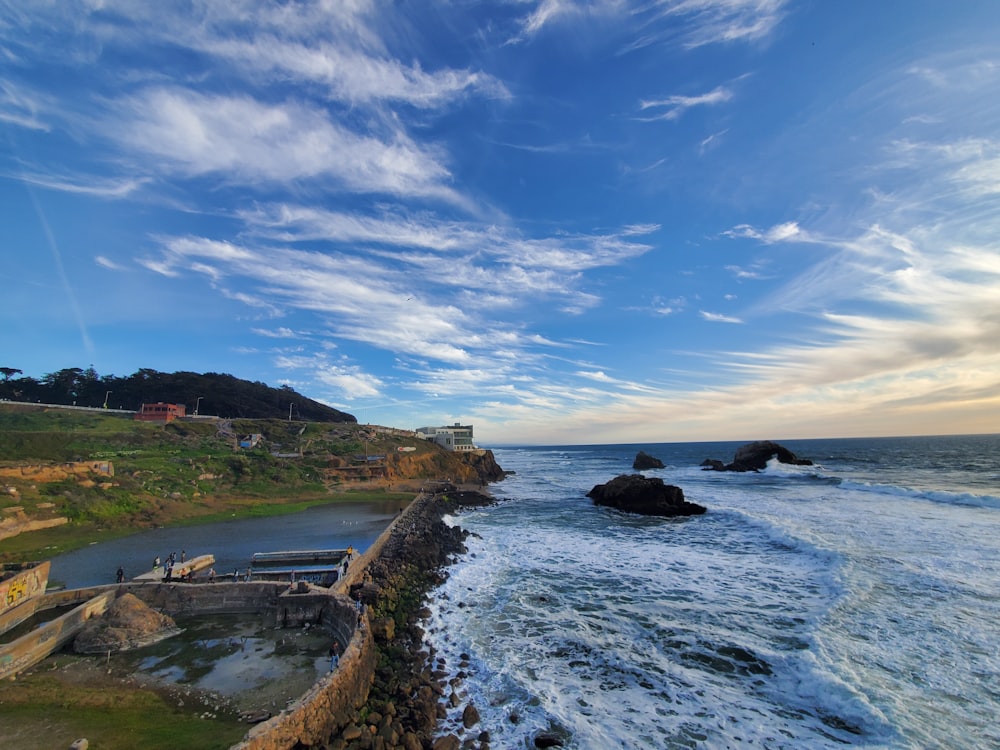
(789, 230)
(94, 186)
(21, 108)
(694, 22)
(677, 105)
(276, 333)
(697, 23)
(240, 138)
(352, 76)
(107, 263)
(718, 317)
(350, 381)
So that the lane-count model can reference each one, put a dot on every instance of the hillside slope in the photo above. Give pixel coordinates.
(104, 470)
(208, 393)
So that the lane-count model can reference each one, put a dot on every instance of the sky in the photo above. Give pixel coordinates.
(562, 222)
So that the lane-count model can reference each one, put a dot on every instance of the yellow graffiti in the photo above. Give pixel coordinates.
(16, 590)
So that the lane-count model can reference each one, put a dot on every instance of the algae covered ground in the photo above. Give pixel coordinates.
(70, 697)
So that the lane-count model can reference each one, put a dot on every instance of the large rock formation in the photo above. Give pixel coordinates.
(127, 623)
(462, 468)
(645, 461)
(754, 457)
(646, 495)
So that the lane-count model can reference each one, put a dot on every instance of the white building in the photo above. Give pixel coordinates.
(456, 437)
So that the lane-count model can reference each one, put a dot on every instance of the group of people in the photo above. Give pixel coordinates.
(169, 566)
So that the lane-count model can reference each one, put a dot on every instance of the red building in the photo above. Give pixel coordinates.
(160, 412)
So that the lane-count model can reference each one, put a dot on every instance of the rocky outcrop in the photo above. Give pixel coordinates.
(58, 472)
(461, 468)
(16, 522)
(646, 495)
(485, 465)
(127, 623)
(645, 461)
(754, 457)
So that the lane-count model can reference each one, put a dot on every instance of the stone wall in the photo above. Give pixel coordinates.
(331, 703)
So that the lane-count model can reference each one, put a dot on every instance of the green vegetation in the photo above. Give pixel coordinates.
(209, 393)
(186, 471)
(40, 707)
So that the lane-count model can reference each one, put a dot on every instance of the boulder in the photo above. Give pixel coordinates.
(646, 495)
(754, 457)
(645, 461)
(470, 716)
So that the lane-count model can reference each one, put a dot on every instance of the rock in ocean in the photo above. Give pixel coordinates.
(646, 495)
(754, 457)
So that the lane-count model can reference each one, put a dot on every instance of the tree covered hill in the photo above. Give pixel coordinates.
(211, 393)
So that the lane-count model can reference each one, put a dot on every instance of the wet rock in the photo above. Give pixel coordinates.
(448, 742)
(351, 733)
(646, 495)
(645, 461)
(754, 457)
(548, 739)
(470, 716)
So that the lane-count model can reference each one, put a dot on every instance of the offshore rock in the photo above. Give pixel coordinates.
(645, 461)
(646, 495)
(754, 457)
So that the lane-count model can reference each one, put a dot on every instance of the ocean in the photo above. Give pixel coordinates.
(853, 603)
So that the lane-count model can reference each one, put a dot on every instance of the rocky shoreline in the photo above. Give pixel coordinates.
(409, 690)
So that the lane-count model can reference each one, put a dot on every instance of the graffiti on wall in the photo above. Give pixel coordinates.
(23, 586)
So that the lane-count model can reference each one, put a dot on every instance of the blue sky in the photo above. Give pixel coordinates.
(586, 222)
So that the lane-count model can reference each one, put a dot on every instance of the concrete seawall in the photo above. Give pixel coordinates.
(30, 649)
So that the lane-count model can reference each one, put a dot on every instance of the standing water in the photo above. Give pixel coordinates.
(334, 526)
(854, 603)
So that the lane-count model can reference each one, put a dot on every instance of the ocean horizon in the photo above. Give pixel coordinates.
(850, 603)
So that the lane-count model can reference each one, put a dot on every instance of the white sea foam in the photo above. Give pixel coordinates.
(936, 496)
(802, 610)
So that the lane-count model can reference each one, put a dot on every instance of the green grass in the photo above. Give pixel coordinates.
(43, 710)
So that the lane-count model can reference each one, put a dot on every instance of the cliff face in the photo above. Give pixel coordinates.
(486, 466)
(460, 468)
